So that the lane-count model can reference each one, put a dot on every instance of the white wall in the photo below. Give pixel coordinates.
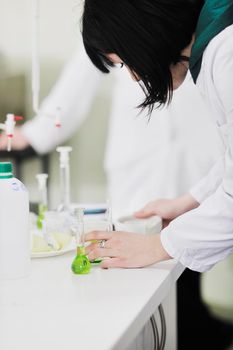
(59, 31)
(59, 36)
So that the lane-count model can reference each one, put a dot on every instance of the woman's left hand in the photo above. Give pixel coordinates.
(124, 249)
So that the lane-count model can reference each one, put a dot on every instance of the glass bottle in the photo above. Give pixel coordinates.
(81, 264)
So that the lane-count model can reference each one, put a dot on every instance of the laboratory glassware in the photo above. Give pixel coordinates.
(35, 69)
(14, 226)
(42, 221)
(58, 222)
(81, 264)
(64, 177)
(108, 225)
(109, 216)
(43, 200)
(35, 56)
(54, 223)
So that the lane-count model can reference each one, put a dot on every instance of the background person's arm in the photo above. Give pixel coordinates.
(73, 94)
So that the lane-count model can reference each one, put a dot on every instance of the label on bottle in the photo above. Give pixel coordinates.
(17, 187)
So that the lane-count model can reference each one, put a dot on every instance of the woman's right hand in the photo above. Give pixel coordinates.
(168, 209)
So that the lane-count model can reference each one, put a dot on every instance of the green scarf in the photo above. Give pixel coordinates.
(215, 16)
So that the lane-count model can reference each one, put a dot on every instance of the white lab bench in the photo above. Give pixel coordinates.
(56, 310)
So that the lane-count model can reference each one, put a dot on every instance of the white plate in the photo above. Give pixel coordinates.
(69, 248)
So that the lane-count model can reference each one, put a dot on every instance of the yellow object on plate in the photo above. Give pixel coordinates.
(61, 241)
(39, 245)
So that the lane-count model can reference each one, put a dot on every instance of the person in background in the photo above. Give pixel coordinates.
(144, 160)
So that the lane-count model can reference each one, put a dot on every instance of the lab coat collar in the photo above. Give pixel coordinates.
(215, 16)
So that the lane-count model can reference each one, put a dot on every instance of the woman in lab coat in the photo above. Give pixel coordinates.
(168, 151)
(158, 41)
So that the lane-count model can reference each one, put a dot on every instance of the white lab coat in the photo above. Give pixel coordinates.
(204, 236)
(160, 158)
(144, 160)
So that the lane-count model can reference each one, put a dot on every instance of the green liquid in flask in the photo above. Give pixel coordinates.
(81, 265)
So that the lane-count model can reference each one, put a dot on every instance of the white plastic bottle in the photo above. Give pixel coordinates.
(14, 226)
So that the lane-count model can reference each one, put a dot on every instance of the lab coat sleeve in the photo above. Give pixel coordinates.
(72, 94)
(208, 185)
(204, 236)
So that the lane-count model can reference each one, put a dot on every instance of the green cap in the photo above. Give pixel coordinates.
(6, 170)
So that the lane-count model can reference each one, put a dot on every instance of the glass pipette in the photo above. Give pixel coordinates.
(43, 200)
(35, 57)
(108, 216)
(64, 177)
(42, 210)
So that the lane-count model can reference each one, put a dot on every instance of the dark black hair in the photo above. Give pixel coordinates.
(148, 35)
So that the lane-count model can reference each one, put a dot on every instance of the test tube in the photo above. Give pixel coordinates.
(35, 57)
(43, 201)
(109, 216)
(64, 177)
(79, 213)
(42, 187)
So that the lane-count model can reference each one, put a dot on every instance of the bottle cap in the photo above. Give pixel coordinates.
(42, 181)
(64, 155)
(6, 171)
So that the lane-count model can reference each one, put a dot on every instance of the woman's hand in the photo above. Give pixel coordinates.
(168, 209)
(124, 249)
